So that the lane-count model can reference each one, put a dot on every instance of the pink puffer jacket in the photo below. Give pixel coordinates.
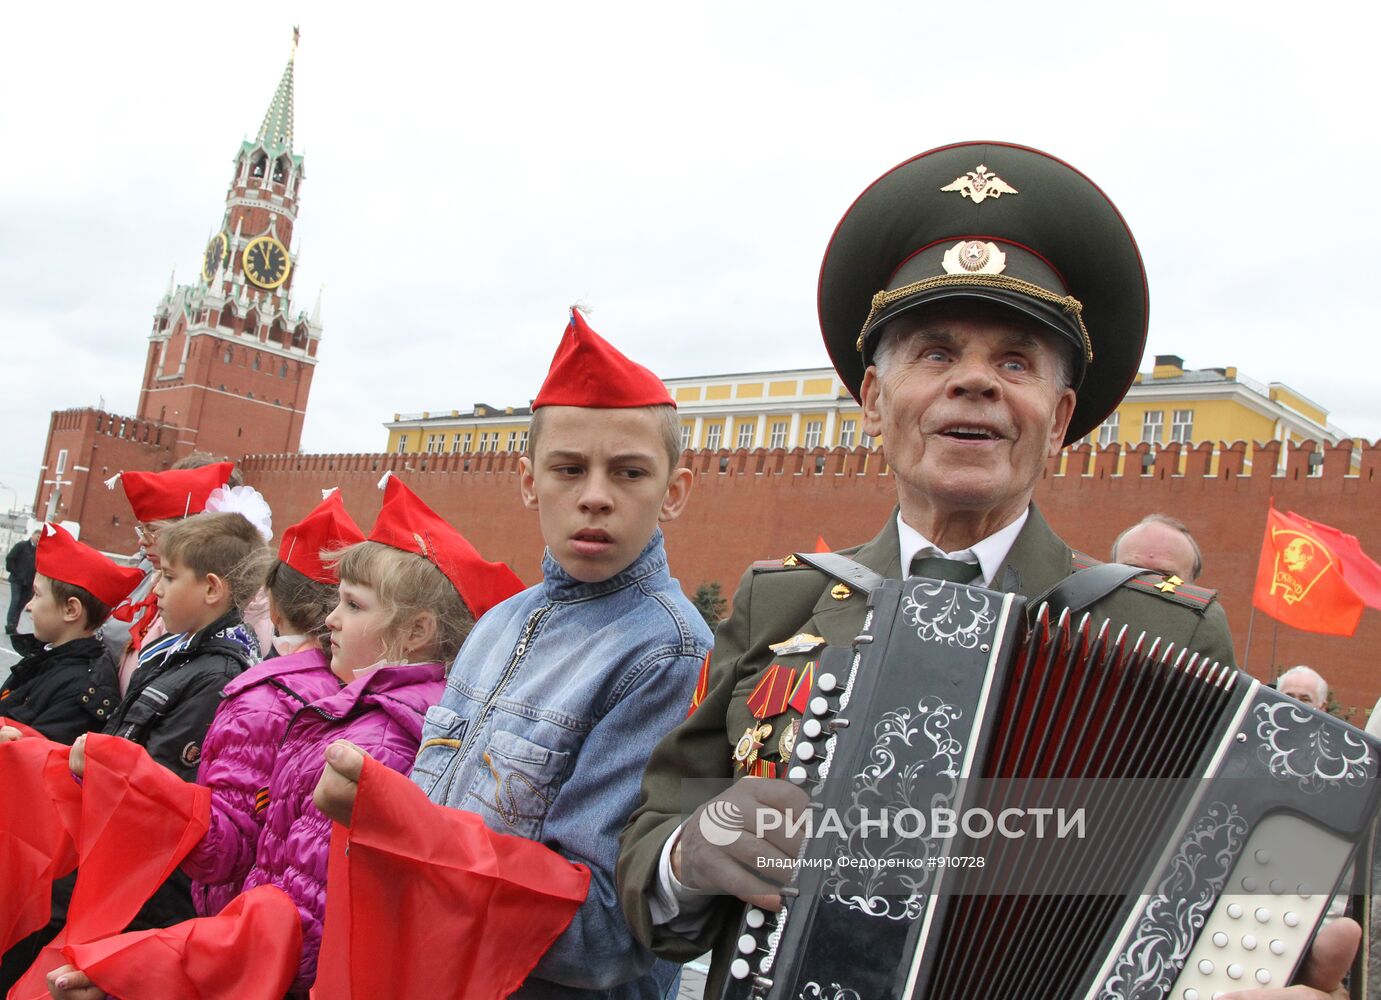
(268, 739)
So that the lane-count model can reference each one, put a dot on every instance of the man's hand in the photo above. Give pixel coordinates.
(68, 983)
(8, 734)
(335, 793)
(737, 842)
(76, 758)
(1321, 976)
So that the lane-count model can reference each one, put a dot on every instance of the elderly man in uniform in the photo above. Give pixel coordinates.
(986, 305)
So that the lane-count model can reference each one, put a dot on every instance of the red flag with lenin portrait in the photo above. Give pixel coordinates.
(1314, 577)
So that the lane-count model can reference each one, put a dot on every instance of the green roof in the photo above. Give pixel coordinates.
(276, 133)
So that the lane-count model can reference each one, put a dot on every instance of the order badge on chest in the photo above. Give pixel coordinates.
(777, 700)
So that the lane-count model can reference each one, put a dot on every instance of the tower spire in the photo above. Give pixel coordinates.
(276, 133)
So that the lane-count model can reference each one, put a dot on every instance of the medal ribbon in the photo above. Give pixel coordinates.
(800, 693)
(772, 692)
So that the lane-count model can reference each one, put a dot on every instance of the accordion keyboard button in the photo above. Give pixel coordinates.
(819, 706)
(1206, 967)
(1263, 976)
(1235, 910)
(1191, 994)
(1249, 884)
(805, 751)
(1291, 919)
(1234, 971)
(1220, 939)
(812, 728)
(739, 969)
(755, 918)
(1249, 942)
(1277, 886)
(1263, 915)
(1277, 947)
(797, 775)
(826, 683)
(747, 944)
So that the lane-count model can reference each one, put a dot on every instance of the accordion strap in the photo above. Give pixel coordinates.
(1084, 588)
(844, 569)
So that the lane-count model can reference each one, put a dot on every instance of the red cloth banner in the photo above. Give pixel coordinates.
(467, 912)
(1301, 578)
(248, 951)
(38, 812)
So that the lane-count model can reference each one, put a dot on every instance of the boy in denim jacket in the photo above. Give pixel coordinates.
(561, 692)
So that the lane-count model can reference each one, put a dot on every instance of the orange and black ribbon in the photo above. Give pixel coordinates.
(800, 693)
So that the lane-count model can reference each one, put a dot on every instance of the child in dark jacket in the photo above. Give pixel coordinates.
(69, 687)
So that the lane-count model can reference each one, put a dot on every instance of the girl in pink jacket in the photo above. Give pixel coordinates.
(399, 619)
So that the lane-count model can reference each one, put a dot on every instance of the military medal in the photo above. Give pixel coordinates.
(773, 690)
(840, 592)
(800, 694)
(787, 742)
(801, 642)
(746, 750)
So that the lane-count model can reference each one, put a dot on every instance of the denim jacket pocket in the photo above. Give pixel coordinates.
(442, 735)
(515, 784)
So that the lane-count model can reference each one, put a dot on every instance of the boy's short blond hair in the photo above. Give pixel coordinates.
(668, 427)
(223, 543)
(407, 584)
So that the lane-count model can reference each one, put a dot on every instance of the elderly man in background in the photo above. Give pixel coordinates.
(1305, 685)
(1162, 543)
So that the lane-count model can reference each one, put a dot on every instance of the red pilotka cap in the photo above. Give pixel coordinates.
(589, 371)
(406, 523)
(328, 527)
(160, 496)
(62, 557)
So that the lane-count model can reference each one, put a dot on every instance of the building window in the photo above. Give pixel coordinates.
(283, 370)
(402, 443)
(746, 431)
(814, 428)
(778, 439)
(229, 356)
(847, 430)
(865, 440)
(512, 440)
(494, 443)
(522, 441)
(62, 461)
(1152, 426)
(257, 362)
(1182, 428)
(455, 444)
(465, 443)
(436, 443)
(714, 435)
(1107, 430)
(685, 436)
(484, 441)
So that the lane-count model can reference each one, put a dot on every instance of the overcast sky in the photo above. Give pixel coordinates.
(472, 170)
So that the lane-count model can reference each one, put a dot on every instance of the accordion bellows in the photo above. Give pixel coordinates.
(1010, 811)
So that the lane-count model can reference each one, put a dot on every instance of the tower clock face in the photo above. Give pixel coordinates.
(214, 256)
(266, 262)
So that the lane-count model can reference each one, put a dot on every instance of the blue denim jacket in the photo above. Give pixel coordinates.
(550, 713)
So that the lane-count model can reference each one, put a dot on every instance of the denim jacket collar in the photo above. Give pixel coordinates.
(561, 586)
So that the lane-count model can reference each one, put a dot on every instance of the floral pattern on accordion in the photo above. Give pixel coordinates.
(1296, 745)
(940, 612)
(922, 777)
(1168, 928)
(814, 991)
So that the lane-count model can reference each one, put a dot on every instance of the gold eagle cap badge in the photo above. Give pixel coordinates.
(980, 184)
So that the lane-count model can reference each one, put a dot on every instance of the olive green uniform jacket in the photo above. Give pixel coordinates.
(775, 602)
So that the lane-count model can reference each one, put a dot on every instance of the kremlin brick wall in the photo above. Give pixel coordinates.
(749, 505)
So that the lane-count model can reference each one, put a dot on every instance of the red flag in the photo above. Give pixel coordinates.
(1300, 580)
(1359, 570)
(469, 911)
(248, 951)
(35, 842)
(138, 820)
(821, 545)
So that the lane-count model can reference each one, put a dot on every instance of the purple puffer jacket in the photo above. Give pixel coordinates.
(382, 712)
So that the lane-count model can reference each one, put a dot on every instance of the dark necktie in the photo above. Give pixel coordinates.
(940, 568)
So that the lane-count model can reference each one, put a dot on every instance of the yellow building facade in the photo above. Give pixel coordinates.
(810, 408)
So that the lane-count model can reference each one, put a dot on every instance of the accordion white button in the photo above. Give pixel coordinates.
(1206, 967)
(1277, 947)
(1263, 976)
(1249, 884)
(1235, 910)
(1191, 994)
(811, 728)
(1291, 919)
(755, 918)
(739, 969)
(826, 683)
(1220, 939)
(747, 944)
(1249, 942)
(1263, 857)
(1234, 971)
(797, 775)
(1304, 890)
(819, 706)
(1277, 886)
(1263, 915)
(805, 750)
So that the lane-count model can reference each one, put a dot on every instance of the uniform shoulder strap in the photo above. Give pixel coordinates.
(844, 569)
(1084, 587)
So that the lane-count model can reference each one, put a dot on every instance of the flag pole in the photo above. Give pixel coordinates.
(1275, 631)
(1246, 653)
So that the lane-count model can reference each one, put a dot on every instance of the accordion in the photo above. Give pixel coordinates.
(1006, 805)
